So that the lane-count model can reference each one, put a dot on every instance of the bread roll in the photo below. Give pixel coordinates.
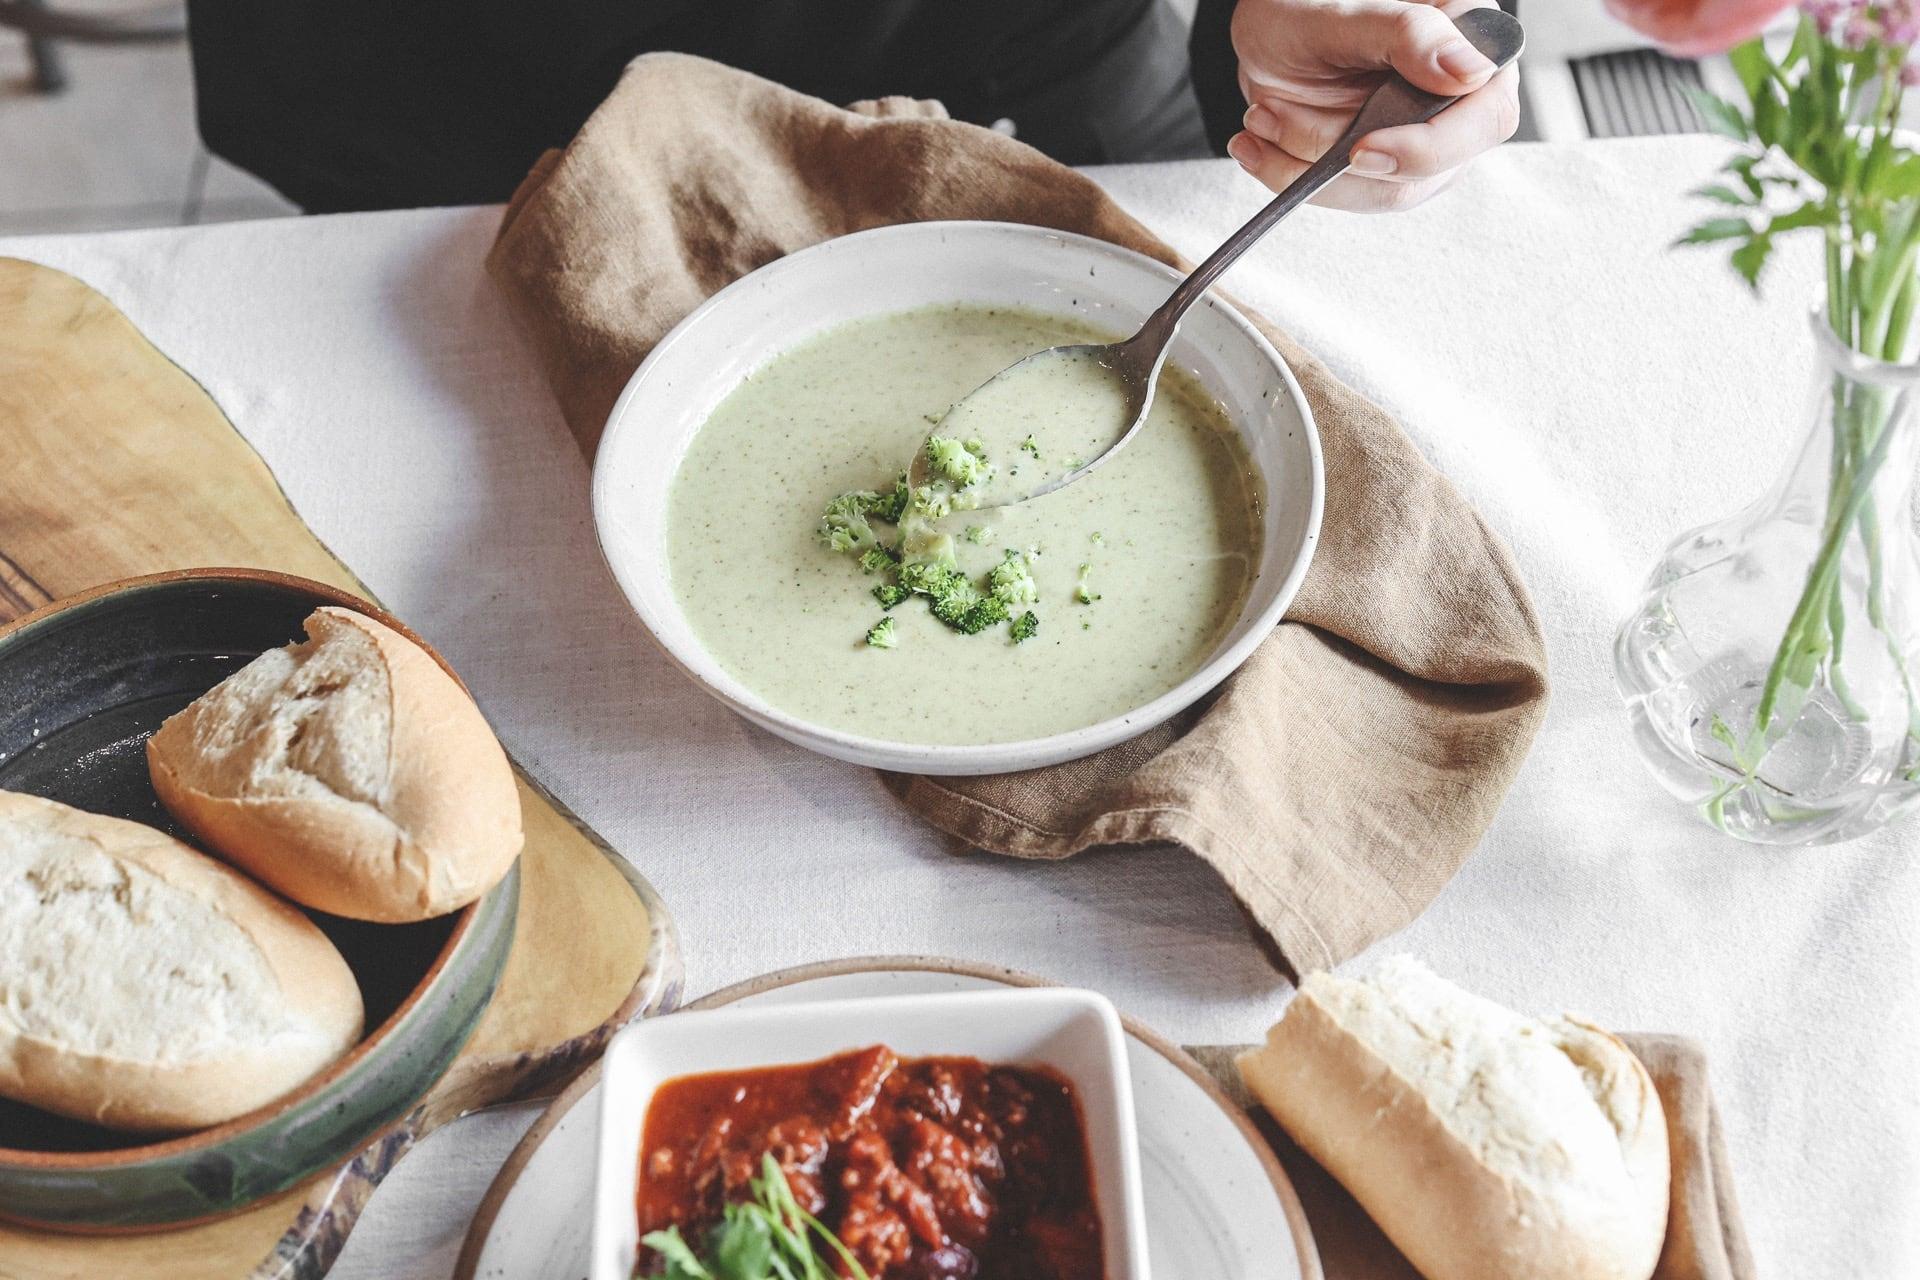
(1487, 1145)
(348, 771)
(144, 986)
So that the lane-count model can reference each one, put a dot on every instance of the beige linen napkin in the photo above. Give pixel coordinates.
(1341, 777)
(1705, 1239)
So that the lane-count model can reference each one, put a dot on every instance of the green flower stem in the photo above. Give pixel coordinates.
(1877, 330)
(1900, 323)
(1821, 149)
(1837, 628)
(1807, 640)
(1887, 287)
(1893, 348)
(1863, 431)
(1837, 309)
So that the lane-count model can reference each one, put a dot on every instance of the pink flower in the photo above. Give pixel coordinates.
(1860, 30)
(1900, 21)
(1857, 23)
(1691, 28)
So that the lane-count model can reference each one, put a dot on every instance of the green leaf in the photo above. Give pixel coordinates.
(1751, 64)
(1901, 179)
(1873, 168)
(1719, 115)
(1722, 194)
(1812, 214)
(1750, 257)
(1802, 139)
(742, 1245)
(677, 1254)
(1742, 168)
(1806, 39)
(1769, 117)
(1853, 167)
(1717, 229)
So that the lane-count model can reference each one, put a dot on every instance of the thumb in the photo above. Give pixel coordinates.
(1415, 39)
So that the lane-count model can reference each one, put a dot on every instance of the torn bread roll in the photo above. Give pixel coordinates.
(1487, 1145)
(350, 771)
(144, 986)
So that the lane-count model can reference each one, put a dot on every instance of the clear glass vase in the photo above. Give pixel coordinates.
(1770, 668)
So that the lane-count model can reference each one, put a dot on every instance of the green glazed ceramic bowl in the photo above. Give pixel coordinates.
(83, 683)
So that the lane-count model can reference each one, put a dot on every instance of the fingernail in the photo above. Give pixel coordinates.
(1243, 149)
(1262, 120)
(1463, 62)
(1377, 163)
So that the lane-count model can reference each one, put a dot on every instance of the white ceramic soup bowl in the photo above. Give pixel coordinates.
(1074, 1033)
(758, 317)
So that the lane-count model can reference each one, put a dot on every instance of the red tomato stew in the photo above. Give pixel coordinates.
(925, 1168)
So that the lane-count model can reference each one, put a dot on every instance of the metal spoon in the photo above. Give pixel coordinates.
(1136, 362)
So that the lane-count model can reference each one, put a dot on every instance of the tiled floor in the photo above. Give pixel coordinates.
(116, 148)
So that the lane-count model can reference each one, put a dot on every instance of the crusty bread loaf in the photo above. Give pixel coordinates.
(348, 771)
(144, 986)
(1487, 1145)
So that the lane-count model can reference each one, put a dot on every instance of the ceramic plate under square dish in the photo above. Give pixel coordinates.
(1217, 1202)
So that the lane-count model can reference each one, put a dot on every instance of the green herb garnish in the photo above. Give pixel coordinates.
(1011, 581)
(921, 561)
(766, 1237)
(1083, 589)
(955, 463)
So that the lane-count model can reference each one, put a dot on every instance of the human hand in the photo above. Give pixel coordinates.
(1307, 65)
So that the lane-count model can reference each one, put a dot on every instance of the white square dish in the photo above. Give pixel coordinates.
(1074, 1033)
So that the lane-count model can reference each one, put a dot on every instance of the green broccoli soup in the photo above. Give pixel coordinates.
(813, 575)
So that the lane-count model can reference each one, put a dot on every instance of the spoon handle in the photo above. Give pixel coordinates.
(1494, 33)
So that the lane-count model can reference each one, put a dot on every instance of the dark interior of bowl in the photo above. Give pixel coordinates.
(80, 694)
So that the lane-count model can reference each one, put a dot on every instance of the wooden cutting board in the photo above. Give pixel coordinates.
(115, 463)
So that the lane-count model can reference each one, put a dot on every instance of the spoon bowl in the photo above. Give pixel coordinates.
(1118, 374)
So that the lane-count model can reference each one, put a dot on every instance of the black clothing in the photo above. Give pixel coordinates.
(1216, 72)
(360, 104)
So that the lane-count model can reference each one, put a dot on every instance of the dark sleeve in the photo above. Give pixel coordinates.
(362, 104)
(370, 104)
(1216, 79)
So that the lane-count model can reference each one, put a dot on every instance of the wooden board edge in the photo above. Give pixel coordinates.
(313, 1243)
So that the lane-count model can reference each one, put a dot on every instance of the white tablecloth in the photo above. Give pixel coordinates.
(1590, 390)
